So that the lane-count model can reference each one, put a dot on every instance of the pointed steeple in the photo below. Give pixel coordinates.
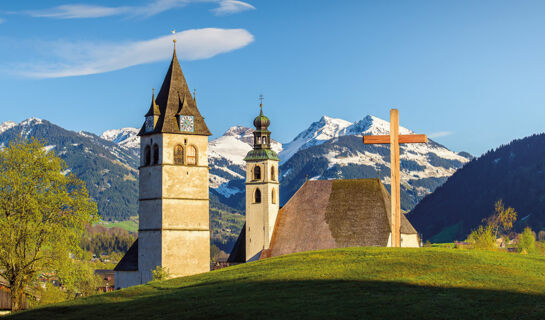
(153, 108)
(174, 100)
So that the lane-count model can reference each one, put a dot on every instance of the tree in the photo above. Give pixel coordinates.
(43, 214)
(502, 220)
(483, 238)
(527, 243)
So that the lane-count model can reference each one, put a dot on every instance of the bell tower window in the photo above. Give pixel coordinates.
(179, 154)
(257, 196)
(147, 156)
(155, 154)
(273, 175)
(191, 155)
(257, 173)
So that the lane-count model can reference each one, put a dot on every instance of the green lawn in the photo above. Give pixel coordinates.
(129, 225)
(372, 283)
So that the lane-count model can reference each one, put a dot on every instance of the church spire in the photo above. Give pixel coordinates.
(154, 108)
(175, 101)
(262, 138)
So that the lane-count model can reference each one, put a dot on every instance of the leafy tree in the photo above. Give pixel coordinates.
(527, 243)
(160, 273)
(43, 214)
(502, 220)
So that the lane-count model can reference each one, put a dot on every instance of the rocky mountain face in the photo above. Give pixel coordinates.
(328, 149)
(514, 173)
(108, 169)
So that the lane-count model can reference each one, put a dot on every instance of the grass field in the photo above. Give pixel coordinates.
(372, 283)
(129, 225)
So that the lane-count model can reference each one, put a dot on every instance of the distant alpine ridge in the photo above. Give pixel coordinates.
(514, 173)
(328, 149)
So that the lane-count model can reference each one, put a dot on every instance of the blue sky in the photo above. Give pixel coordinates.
(470, 73)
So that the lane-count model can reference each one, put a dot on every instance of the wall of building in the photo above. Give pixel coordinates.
(124, 279)
(410, 241)
(174, 230)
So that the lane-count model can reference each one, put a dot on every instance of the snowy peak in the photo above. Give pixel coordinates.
(317, 133)
(5, 126)
(371, 125)
(125, 137)
(241, 133)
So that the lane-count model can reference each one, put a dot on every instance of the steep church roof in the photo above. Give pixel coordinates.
(129, 262)
(174, 100)
(326, 214)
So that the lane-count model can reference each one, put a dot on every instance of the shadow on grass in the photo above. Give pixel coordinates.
(327, 299)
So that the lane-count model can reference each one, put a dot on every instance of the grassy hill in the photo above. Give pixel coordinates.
(377, 283)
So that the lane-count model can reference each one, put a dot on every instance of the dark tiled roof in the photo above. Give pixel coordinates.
(129, 262)
(238, 254)
(329, 214)
(174, 99)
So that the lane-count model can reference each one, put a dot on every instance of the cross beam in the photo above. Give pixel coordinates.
(394, 139)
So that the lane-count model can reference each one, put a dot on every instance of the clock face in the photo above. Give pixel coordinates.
(149, 123)
(187, 124)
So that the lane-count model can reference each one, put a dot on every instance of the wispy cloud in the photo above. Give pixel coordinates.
(2, 20)
(232, 6)
(440, 134)
(76, 59)
(80, 11)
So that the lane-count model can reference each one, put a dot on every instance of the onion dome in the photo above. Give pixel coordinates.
(261, 122)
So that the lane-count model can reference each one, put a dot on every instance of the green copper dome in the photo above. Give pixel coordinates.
(261, 121)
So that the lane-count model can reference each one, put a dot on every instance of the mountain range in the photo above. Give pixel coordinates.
(513, 173)
(328, 149)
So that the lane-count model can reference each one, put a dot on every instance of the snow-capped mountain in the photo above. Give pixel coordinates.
(7, 125)
(313, 156)
(318, 132)
(226, 158)
(328, 149)
(108, 169)
(125, 137)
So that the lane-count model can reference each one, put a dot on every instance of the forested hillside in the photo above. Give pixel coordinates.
(514, 172)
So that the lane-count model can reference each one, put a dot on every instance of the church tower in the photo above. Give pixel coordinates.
(174, 228)
(261, 190)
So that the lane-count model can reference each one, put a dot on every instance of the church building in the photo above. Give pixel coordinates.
(322, 214)
(174, 232)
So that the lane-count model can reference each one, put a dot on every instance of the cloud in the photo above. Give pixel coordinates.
(76, 11)
(77, 59)
(440, 134)
(2, 20)
(80, 11)
(232, 6)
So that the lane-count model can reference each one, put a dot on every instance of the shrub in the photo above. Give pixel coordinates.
(527, 243)
(483, 238)
(160, 273)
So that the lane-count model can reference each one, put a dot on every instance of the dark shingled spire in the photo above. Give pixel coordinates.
(153, 108)
(174, 99)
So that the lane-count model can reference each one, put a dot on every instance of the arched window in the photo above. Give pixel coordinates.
(155, 154)
(273, 175)
(179, 154)
(257, 196)
(191, 155)
(264, 140)
(273, 196)
(257, 173)
(147, 156)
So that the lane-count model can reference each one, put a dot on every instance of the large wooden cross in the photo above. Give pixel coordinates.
(394, 139)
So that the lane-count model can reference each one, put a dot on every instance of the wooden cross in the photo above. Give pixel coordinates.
(394, 139)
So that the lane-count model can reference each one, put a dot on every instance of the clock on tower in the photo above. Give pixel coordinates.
(187, 124)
